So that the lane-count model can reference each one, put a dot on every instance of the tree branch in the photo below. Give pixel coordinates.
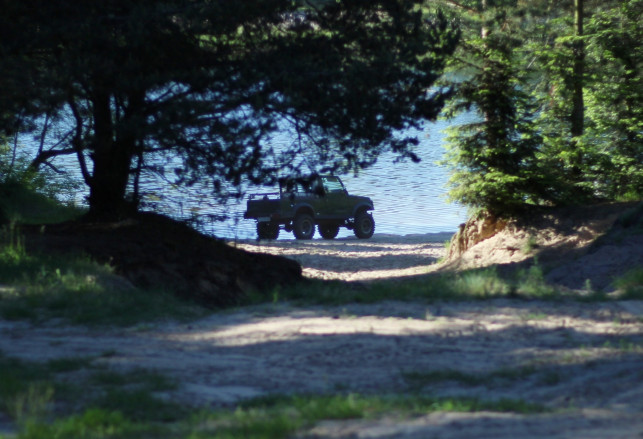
(77, 143)
(44, 156)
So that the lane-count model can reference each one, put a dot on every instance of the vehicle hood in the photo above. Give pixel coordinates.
(362, 200)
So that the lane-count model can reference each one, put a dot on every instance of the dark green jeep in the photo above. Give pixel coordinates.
(301, 204)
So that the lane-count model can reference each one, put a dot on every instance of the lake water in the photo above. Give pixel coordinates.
(409, 197)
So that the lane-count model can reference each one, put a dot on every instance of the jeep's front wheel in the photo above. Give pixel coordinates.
(303, 226)
(328, 230)
(267, 230)
(364, 225)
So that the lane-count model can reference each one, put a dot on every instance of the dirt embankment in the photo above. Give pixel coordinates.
(153, 251)
(577, 247)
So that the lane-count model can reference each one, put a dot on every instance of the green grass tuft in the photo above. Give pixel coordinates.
(477, 284)
(282, 416)
(631, 283)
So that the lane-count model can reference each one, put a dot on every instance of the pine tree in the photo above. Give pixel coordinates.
(615, 98)
(494, 160)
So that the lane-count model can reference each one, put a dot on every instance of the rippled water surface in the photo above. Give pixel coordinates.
(409, 197)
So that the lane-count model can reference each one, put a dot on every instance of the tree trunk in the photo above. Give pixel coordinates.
(112, 158)
(578, 105)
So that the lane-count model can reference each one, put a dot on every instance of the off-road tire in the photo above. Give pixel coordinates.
(328, 230)
(303, 226)
(364, 225)
(267, 230)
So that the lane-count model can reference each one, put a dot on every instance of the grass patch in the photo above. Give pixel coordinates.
(23, 204)
(16, 377)
(102, 405)
(467, 285)
(461, 286)
(530, 245)
(530, 283)
(71, 287)
(40, 287)
(140, 406)
(281, 417)
(124, 405)
(631, 283)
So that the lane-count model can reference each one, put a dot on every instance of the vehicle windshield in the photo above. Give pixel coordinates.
(332, 184)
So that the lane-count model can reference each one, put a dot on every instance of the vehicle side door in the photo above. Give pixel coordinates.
(296, 194)
(336, 200)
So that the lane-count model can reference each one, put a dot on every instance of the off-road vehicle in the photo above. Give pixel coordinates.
(302, 204)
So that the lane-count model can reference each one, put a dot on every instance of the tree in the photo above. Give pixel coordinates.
(589, 92)
(557, 86)
(126, 84)
(615, 98)
(495, 159)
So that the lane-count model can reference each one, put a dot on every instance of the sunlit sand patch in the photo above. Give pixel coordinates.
(366, 275)
(383, 257)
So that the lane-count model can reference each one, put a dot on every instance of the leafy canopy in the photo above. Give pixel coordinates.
(198, 88)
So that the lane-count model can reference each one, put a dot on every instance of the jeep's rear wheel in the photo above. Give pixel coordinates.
(328, 230)
(267, 231)
(304, 226)
(364, 225)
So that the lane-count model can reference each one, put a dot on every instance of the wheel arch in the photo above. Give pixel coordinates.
(361, 207)
(304, 208)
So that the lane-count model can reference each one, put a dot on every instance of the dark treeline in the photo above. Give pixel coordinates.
(122, 85)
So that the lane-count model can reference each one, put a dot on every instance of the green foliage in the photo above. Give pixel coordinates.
(605, 162)
(615, 98)
(92, 424)
(16, 379)
(495, 161)
(140, 406)
(532, 283)
(19, 180)
(12, 250)
(26, 206)
(28, 196)
(121, 406)
(282, 416)
(541, 155)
